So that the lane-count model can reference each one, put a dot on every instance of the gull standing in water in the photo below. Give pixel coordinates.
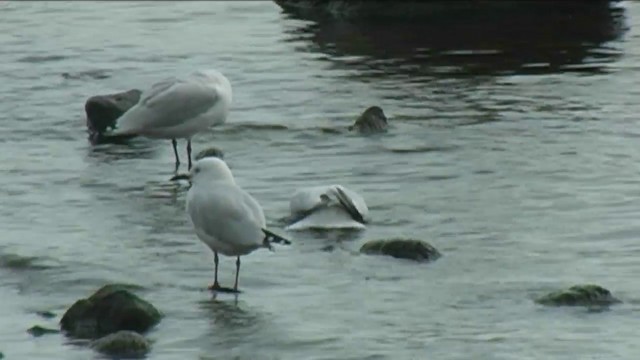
(225, 217)
(178, 108)
(327, 207)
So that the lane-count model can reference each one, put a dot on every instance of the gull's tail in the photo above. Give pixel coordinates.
(270, 237)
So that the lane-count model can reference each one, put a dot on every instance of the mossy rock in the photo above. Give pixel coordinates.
(579, 295)
(38, 331)
(112, 308)
(210, 152)
(122, 344)
(416, 250)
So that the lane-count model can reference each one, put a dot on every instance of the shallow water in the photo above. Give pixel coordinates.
(515, 154)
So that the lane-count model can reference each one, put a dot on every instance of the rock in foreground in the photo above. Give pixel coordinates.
(403, 249)
(123, 344)
(103, 110)
(110, 309)
(579, 295)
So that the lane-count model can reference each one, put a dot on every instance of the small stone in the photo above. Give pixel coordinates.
(122, 344)
(372, 120)
(210, 152)
(38, 331)
(112, 308)
(416, 250)
(580, 295)
(46, 314)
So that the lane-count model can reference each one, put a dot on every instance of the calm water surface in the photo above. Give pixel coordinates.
(514, 149)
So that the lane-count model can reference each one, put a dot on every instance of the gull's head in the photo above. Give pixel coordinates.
(206, 170)
(372, 119)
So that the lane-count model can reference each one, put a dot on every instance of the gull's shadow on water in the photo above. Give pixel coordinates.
(327, 240)
(470, 38)
(233, 323)
(137, 148)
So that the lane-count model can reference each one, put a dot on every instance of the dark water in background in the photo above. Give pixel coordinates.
(513, 149)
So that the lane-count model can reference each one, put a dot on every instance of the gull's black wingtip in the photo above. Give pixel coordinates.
(271, 237)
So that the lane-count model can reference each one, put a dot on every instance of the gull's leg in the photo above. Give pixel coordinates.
(235, 285)
(175, 151)
(189, 152)
(215, 285)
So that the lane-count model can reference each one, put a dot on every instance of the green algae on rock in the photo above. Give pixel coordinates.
(416, 250)
(579, 295)
(110, 309)
(37, 331)
(122, 344)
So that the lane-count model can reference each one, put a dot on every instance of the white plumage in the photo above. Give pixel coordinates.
(178, 108)
(327, 207)
(225, 217)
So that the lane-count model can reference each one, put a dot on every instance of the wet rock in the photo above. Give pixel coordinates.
(416, 250)
(46, 314)
(579, 295)
(210, 152)
(123, 344)
(372, 120)
(103, 110)
(38, 331)
(110, 309)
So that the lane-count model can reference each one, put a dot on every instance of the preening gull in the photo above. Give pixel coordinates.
(327, 207)
(372, 120)
(224, 216)
(178, 108)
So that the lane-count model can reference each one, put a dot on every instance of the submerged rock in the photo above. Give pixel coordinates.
(579, 295)
(103, 110)
(372, 120)
(46, 314)
(416, 250)
(38, 331)
(112, 308)
(122, 344)
(210, 152)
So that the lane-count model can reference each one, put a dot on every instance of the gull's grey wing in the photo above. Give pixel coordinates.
(227, 214)
(352, 203)
(168, 103)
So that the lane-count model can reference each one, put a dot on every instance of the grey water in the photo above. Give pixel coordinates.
(513, 148)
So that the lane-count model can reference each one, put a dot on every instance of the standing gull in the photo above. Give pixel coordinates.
(224, 216)
(327, 207)
(178, 108)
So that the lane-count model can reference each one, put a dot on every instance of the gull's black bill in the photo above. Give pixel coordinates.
(180, 177)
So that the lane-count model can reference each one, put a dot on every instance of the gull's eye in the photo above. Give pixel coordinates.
(196, 170)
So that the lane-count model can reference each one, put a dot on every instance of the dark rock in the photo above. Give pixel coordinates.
(579, 295)
(402, 248)
(123, 344)
(210, 152)
(110, 309)
(46, 314)
(103, 110)
(372, 120)
(1, 355)
(39, 331)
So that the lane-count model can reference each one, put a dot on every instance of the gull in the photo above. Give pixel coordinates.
(178, 108)
(372, 120)
(224, 216)
(327, 207)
